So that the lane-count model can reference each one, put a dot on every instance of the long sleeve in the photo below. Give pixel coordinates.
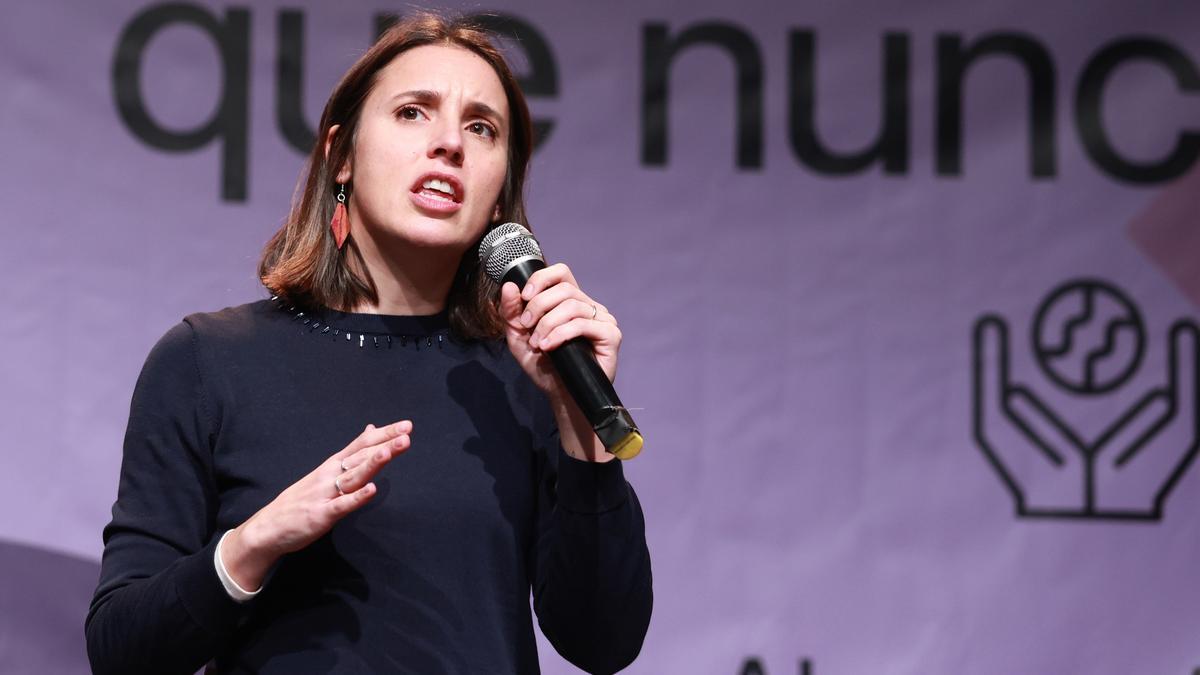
(160, 606)
(592, 582)
(431, 576)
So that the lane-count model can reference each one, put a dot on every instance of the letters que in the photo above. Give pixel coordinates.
(662, 46)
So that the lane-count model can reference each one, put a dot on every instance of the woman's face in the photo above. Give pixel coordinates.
(431, 151)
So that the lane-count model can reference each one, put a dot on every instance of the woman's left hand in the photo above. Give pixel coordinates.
(549, 311)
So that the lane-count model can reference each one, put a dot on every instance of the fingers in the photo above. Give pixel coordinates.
(1042, 426)
(308, 508)
(565, 312)
(342, 505)
(1155, 439)
(555, 297)
(1129, 434)
(550, 310)
(1184, 364)
(372, 458)
(352, 480)
(991, 363)
(552, 297)
(556, 310)
(600, 333)
(511, 305)
(374, 435)
(545, 278)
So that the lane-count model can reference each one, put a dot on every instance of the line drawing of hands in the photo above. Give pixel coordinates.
(1127, 472)
(1137, 467)
(1038, 476)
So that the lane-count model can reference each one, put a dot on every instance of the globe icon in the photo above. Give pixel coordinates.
(1088, 336)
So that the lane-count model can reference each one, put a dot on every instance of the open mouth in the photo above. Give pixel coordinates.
(439, 188)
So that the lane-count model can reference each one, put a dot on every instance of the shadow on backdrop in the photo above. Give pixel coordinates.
(45, 597)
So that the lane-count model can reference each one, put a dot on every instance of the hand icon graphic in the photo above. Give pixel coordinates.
(1127, 472)
(1137, 467)
(1039, 477)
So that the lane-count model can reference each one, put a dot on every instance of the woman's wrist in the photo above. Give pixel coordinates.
(246, 562)
(578, 438)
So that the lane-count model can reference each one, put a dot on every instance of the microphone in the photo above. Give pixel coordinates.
(510, 253)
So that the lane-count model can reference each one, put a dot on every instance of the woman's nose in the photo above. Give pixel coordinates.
(447, 141)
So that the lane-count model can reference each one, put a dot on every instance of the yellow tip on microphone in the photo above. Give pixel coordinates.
(628, 447)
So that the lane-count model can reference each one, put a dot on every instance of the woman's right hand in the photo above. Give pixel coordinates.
(310, 507)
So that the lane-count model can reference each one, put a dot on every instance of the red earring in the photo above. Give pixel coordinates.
(341, 222)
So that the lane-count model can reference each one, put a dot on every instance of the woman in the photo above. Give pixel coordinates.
(259, 526)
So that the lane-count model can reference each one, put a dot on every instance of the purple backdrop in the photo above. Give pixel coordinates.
(837, 473)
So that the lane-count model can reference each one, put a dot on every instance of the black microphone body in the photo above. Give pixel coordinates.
(576, 365)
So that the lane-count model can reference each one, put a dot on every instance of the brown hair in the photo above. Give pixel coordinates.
(301, 262)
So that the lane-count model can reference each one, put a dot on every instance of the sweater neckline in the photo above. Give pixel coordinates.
(385, 324)
(396, 325)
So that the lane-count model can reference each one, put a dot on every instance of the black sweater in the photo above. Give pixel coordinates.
(432, 576)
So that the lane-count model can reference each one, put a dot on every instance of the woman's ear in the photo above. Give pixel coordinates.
(343, 173)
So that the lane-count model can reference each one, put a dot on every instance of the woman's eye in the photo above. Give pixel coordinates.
(409, 113)
(481, 129)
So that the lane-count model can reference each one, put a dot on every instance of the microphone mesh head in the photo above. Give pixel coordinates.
(505, 231)
(503, 245)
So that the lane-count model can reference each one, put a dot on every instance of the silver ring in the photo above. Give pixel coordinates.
(595, 311)
(337, 483)
(343, 465)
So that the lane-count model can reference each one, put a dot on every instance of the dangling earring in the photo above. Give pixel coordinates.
(341, 222)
